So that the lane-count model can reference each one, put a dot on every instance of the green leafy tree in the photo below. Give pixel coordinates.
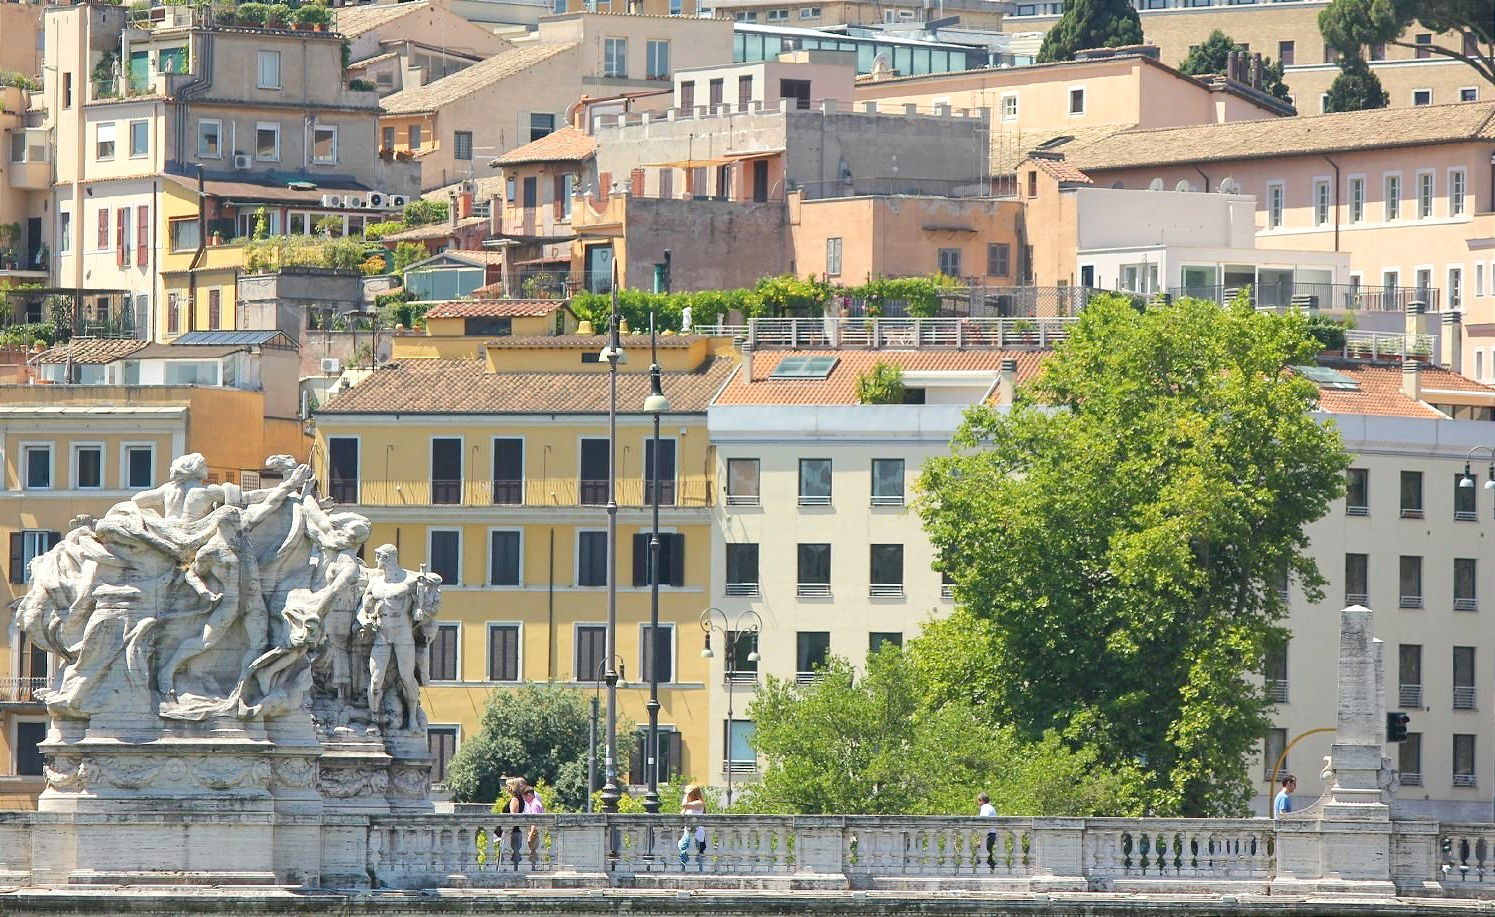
(373, 232)
(1213, 56)
(536, 731)
(881, 384)
(1122, 528)
(1350, 24)
(407, 253)
(1357, 87)
(1091, 24)
(422, 211)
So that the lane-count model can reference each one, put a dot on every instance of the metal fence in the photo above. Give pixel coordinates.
(1345, 296)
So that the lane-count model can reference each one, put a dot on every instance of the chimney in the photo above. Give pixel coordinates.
(747, 361)
(1451, 345)
(1007, 380)
(1412, 379)
(495, 215)
(1256, 70)
(464, 203)
(1415, 311)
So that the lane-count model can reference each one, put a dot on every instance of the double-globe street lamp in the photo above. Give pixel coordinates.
(1467, 481)
(733, 630)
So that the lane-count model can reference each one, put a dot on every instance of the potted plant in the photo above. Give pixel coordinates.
(252, 14)
(277, 15)
(313, 16)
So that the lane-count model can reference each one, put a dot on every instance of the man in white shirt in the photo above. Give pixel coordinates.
(989, 811)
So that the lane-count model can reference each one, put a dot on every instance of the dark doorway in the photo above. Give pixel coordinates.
(760, 180)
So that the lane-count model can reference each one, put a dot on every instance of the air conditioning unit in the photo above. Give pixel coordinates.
(398, 200)
(332, 200)
(331, 366)
(378, 200)
(355, 201)
(243, 161)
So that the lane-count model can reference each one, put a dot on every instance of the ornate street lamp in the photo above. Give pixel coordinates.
(612, 354)
(732, 631)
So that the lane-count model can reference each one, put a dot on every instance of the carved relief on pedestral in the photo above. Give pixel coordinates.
(68, 773)
(353, 780)
(295, 771)
(410, 781)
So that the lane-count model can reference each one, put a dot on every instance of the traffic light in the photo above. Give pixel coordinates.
(1396, 727)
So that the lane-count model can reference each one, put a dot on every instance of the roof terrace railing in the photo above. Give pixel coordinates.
(855, 333)
(1346, 296)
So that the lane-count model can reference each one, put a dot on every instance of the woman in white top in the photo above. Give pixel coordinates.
(694, 803)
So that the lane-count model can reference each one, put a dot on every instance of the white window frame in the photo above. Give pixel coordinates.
(674, 651)
(650, 48)
(835, 255)
(518, 651)
(99, 141)
(617, 69)
(138, 122)
(259, 69)
(201, 123)
(1457, 203)
(315, 129)
(809, 12)
(1069, 101)
(777, 14)
(488, 573)
(124, 463)
(1323, 209)
(1417, 104)
(1453, 290)
(1009, 97)
(1464, 89)
(1388, 199)
(1356, 207)
(266, 125)
(1431, 177)
(64, 232)
(73, 477)
(1479, 279)
(1276, 204)
(24, 471)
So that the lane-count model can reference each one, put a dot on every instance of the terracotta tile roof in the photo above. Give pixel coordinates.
(840, 386)
(448, 89)
(1302, 136)
(485, 189)
(1059, 169)
(92, 350)
(434, 231)
(355, 20)
(567, 144)
(466, 387)
(1008, 148)
(494, 308)
(1380, 391)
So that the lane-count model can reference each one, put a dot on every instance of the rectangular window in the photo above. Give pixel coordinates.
(122, 230)
(1009, 108)
(38, 461)
(446, 555)
(387, 138)
(744, 91)
(541, 123)
(594, 465)
(1464, 580)
(1077, 101)
(1424, 195)
(1463, 678)
(1378, 51)
(1357, 200)
(1469, 94)
(615, 58)
(1321, 203)
(446, 470)
(1410, 578)
(814, 482)
(269, 70)
(508, 472)
(742, 569)
(716, 92)
(1409, 675)
(104, 140)
(1356, 579)
(591, 558)
(1422, 97)
(444, 652)
(412, 136)
(504, 557)
(1464, 491)
(887, 570)
(67, 90)
(462, 146)
(1456, 192)
(215, 309)
(1393, 197)
(657, 653)
(503, 652)
(1357, 496)
(140, 142)
(833, 256)
(267, 141)
(140, 467)
(142, 236)
(103, 234)
(812, 652)
(887, 482)
(88, 467)
(778, 15)
(742, 482)
(342, 468)
(324, 144)
(26, 546)
(441, 742)
(687, 94)
(1274, 754)
(1274, 206)
(1424, 40)
(657, 60)
(1455, 287)
(949, 262)
(998, 259)
(1463, 760)
(1411, 495)
(876, 640)
(210, 139)
(738, 741)
(665, 472)
(671, 559)
(64, 232)
(591, 652)
(1274, 673)
(814, 573)
(1409, 760)
(1285, 53)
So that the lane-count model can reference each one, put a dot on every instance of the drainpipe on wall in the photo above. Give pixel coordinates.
(197, 256)
(1203, 176)
(1336, 200)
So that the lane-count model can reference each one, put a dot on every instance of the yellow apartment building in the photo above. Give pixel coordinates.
(492, 470)
(77, 444)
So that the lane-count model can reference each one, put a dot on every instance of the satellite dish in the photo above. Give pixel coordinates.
(1183, 185)
(1155, 185)
(1229, 186)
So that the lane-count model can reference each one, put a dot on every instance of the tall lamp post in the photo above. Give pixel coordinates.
(655, 404)
(612, 354)
(732, 631)
(599, 677)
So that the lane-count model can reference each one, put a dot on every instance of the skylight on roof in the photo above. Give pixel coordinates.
(1324, 377)
(804, 368)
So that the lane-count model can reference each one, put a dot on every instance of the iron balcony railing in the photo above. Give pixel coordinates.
(813, 590)
(742, 589)
(1465, 604)
(1409, 778)
(1385, 345)
(687, 491)
(1463, 697)
(1346, 296)
(1277, 690)
(848, 333)
(1409, 696)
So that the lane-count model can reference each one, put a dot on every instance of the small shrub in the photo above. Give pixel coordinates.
(421, 212)
(252, 13)
(362, 86)
(882, 384)
(278, 15)
(373, 232)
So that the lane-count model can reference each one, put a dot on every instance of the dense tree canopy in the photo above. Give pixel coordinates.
(1120, 532)
(1091, 24)
(1350, 24)
(538, 732)
(1213, 56)
(1357, 88)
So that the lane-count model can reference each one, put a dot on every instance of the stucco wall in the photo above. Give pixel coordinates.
(730, 244)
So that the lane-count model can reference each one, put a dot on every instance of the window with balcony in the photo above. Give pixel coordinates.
(26, 546)
(812, 652)
(1357, 494)
(666, 476)
(508, 472)
(1410, 578)
(1356, 579)
(1411, 495)
(503, 652)
(444, 652)
(446, 470)
(1463, 760)
(591, 558)
(1409, 676)
(1275, 673)
(1464, 579)
(1409, 760)
(887, 570)
(742, 569)
(814, 482)
(594, 468)
(446, 555)
(505, 555)
(671, 559)
(742, 482)
(814, 570)
(887, 482)
(591, 652)
(1463, 678)
(1464, 506)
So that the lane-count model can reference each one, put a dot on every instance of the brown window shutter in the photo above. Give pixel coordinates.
(142, 236)
(636, 183)
(604, 185)
(558, 186)
(122, 222)
(17, 565)
(103, 228)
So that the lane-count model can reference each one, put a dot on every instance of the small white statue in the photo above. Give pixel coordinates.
(685, 320)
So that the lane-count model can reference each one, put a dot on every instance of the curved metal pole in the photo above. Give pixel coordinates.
(732, 631)
(610, 790)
